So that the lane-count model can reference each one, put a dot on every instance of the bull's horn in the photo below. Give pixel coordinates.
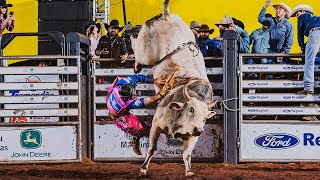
(210, 105)
(186, 94)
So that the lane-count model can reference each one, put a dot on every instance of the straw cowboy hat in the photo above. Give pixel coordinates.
(194, 24)
(285, 7)
(300, 7)
(224, 22)
(205, 28)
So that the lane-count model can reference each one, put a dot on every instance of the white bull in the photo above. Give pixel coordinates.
(183, 112)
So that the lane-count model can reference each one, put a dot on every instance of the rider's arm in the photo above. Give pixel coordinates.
(149, 101)
(135, 79)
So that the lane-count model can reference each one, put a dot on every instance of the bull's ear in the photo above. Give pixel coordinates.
(176, 105)
(211, 114)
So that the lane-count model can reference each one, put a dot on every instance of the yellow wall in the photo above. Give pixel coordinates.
(206, 11)
(26, 13)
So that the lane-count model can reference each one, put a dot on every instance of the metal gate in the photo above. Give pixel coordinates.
(271, 111)
(40, 106)
(40, 111)
(110, 143)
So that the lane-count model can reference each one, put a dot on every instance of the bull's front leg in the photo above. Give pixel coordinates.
(154, 136)
(188, 148)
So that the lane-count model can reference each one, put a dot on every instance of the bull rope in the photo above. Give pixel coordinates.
(177, 50)
(224, 106)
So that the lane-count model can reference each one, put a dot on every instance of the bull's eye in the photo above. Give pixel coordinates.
(191, 109)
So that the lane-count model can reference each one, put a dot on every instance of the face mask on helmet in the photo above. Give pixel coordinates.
(126, 91)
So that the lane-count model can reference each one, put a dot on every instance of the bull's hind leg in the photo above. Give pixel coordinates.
(188, 148)
(154, 136)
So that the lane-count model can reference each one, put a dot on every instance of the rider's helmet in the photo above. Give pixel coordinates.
(126, 91)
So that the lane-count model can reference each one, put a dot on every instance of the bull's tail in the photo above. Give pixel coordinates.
(166, 8)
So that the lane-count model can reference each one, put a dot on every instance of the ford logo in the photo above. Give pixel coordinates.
(286, 97)
(276, 141)
(251, 68)
(286, 68)
(286, 84)
(252, 97)
(252, 84)
(251, 110)
(286, 111)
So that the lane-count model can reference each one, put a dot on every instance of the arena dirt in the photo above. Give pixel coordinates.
(90, 170)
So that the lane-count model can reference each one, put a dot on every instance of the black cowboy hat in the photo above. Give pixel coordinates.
(238, 22)
(92, 23)
(205, 28)
(3, 3)
(115, 24)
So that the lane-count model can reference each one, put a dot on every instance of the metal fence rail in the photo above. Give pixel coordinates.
(271, 112)
(40, 111)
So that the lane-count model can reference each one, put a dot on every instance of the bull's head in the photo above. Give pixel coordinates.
(190, 117)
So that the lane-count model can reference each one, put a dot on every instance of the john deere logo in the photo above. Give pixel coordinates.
(30, 139)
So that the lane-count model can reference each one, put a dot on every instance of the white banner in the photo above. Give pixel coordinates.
(31, 79)
(38, 143)
(111, 142)
(280, 142)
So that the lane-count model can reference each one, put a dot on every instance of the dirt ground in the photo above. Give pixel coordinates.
(90, 170)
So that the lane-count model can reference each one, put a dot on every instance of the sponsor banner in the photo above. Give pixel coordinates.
(214, 71)
(38, 143)
(125, 72)
(119, 72)
(280, 110)
(276, 142)
(275, 68)
(280, 97)
(143, 112)
(111, 142)
(274, 84)
(38, 70)
(31, 79)
(148, 87)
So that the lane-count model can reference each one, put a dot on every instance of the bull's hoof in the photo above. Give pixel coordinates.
(137, 68)
(189, 174)
(143, 172)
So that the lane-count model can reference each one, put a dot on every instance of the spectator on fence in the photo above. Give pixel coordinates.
(259, 39)
(194, 26)
(92, 32)
(112, 45)
(227, 24)
(207, 46)
(281, 30)
(122, 97)
(5, 21)
(309, 26)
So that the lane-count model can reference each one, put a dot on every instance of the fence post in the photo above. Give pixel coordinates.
(230, 83)
(77, 44)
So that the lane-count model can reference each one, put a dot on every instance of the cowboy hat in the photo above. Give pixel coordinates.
(128, 27)
(3, 3)
(304, 7)
(194, 24)
(115, 24)
(205, 28)
(285, 7)
(92, 23)
(224, 22)
(238, 22)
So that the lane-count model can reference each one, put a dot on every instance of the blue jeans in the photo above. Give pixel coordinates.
(312, 48)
